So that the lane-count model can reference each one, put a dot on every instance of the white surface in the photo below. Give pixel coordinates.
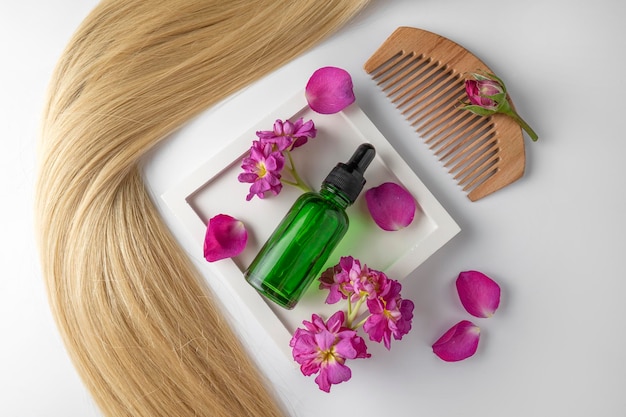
(554, 240)
(213, 188)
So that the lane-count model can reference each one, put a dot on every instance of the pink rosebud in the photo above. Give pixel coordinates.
(225, 237)
(329, 90)
(458, 343)
(479, 294)
(391, 206)
(481, 92)
(487, 95)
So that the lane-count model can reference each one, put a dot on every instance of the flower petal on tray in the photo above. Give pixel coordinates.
(225, 237)
(391, 206)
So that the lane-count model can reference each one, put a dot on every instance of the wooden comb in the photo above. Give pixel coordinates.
(424, 76)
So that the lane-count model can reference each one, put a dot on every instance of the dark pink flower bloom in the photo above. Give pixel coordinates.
(302, 132)
(262, 168)
(391, 206)
(287, 135)
(334, 281)
(329, 90)
(370, 283)
(479, 294)
(349, 277)
(390, 315)
(481, 92)
(225, 237)
(322, 348)
(458, 343)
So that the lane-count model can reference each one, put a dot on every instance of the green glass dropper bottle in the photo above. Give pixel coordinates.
(300, 246)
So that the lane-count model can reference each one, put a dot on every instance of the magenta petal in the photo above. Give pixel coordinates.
(329, 90)
(391, 206)
(458, 343)
(225, 237)
(479, 294)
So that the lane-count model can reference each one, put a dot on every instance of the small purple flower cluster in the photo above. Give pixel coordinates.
(386, 315)
(264, 165)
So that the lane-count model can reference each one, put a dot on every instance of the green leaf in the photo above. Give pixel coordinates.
(498, 79)
(480, 77)
(498, 98)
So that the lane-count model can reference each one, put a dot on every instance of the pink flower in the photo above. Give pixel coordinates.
(391, 206)
(370, 283)
(225, 237)
(390, 315)
(479, 294)
(287, 135)
(329, 90)
(349, 278)
(322, 348)
(335, 282)
(262, 168)
(458, 343)
(481, 93)
(302, 132)
(487, 95)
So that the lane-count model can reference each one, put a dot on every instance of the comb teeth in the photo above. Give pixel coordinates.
(429, 90)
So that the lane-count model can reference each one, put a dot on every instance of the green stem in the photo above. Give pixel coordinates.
(361, 323)
(522, 123)
(349, 307)
(299, 182)
(354, 311)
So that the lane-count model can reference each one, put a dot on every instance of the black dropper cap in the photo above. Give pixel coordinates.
(348, 178)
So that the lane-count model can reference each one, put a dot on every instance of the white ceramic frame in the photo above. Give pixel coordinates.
(213, 188)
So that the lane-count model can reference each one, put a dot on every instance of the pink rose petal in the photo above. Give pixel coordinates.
(458, 343)
(391, 206)
(225, 237)
(479, 294)
(329, 90)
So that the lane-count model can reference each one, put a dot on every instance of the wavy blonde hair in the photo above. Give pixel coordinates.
(141, 329)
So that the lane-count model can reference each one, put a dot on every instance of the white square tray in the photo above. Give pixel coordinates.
(214, 189)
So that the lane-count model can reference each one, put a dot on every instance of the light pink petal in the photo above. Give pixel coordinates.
(225, 237)
(458, 343)
(391, 206)
(479, 294)
(329, 90)
(335, 322)
(325, 340)
(345, 348)
(335, 373)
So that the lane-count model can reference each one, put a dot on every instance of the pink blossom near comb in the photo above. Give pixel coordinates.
(479, 294)
(329, 90)
(225, 237)
(391, 206)
(458, 343)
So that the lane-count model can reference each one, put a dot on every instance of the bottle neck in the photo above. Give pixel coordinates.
(332, 193)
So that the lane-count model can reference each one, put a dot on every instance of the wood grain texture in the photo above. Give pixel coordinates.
(424, 75)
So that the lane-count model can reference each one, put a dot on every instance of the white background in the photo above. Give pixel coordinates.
(554, 240)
